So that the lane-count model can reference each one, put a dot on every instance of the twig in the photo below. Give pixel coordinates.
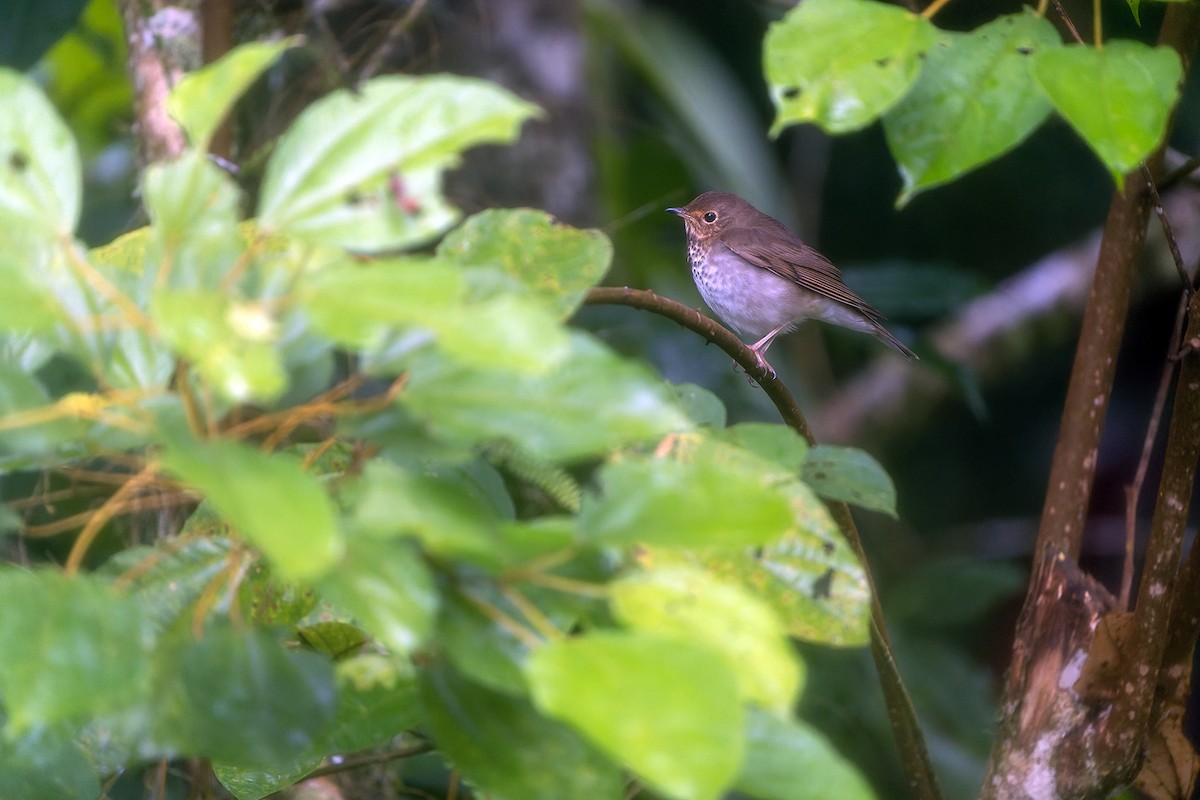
(370, 759)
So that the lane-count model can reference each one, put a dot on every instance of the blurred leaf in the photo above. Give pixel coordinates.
(271, 501)
(975, 100)
(787, 760)
(693, 605)
(700, 501)
(24, 432)
(437, 510)
(479, 647)
(361, 169)
(240, 698)
(169, 578)
(387, 587)
(45, 765)
(776, 443)
(503, 746)
(25, 305)
(32, 26)
(378, 698)
(40, 177)
(842, 63)
(1117, 98)
(70, 649)
(1135, 4)
(228, 343)
(594, 402)
(557, 262)
(850, 475)
(194, 238)
(702, 407)
(369, 305)
(678, 723)
(253, 783)
(202, 99)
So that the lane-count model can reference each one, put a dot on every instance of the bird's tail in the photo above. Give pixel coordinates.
(884, 335)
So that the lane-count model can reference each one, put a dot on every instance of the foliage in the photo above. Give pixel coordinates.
(951, 102)
(364, 556)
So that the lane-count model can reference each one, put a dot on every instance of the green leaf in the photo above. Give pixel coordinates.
(371, 306)
(666, 707)
(240, 698)
(25, 304)
(334, 638)
(201, 100)
(693, 605)
(850, 475)
(40, 177)
(842, 63)
(702, 407)
(168, 579)
(271, 501)
(386, 586)
(814, 582)
(194, 240)
(1117, 98)
(776, 443)
(69, 649)
(377, 698)
(230, 344)
(788, 760)
(360, 169)
(503, 746)
(45, 765)
(697, 501)
(975, 100)
(559, 263)
(253, 783)
(438, 510)
(480, 648)
(24, 432)
(594, 402)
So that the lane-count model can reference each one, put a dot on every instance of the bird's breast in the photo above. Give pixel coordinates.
(751, 300)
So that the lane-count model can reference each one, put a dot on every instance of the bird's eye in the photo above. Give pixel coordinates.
(711, 216)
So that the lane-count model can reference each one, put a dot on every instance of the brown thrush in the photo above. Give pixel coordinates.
(762, 280)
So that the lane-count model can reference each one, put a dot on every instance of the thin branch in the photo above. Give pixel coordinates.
(905, 728)
(159, 137)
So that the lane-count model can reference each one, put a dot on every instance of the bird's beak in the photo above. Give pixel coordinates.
(676, 211)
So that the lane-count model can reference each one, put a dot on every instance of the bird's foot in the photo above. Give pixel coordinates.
(762, 364)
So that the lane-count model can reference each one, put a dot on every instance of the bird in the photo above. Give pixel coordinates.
(762, 280)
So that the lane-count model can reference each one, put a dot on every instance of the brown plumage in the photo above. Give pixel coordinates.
(762, 281)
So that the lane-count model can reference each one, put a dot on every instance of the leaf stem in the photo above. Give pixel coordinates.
(933, 8)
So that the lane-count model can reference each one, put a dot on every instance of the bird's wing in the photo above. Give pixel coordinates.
(791, 259)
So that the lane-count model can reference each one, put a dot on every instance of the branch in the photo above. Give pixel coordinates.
(903, 717)
(153, 73)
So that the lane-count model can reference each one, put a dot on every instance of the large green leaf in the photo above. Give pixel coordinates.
(269, 499)
(240, 698)
(976, 99)
(1117, 98)
(26, 305)
(40, 176)
(69, 649)
(666, 707)
(692, 604)
(558, 262)
(594, 402)
(509, 750)
(24, 431)
(479, 647)
(842, 63)
(168, 579)
(850, 475)
(701, 500)
(201, 100)
(378, 305)
(386, 586)
(361, 168)
(787, 760)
